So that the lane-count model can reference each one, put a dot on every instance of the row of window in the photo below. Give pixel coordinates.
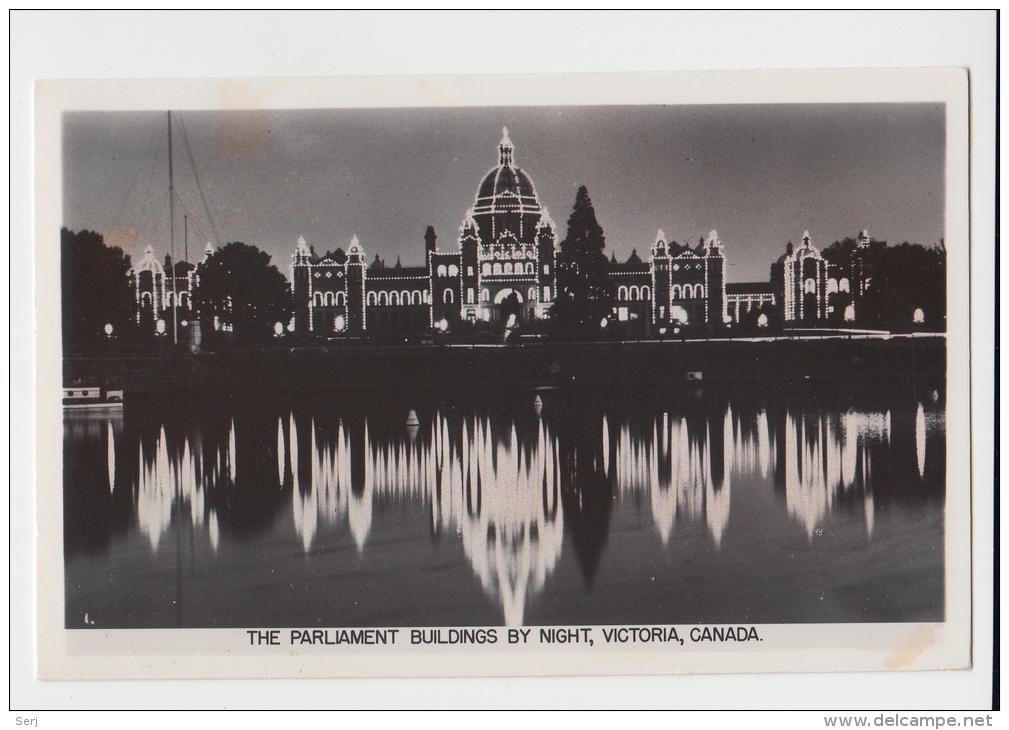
(497, 268)
(147, 300)
(687, 291)
(633, 294)
(405, 298)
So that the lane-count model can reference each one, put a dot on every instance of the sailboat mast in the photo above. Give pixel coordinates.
(171, 234)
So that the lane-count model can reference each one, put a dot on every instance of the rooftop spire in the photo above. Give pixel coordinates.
(505, 149)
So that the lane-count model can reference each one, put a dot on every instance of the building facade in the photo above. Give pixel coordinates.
(506, 251)
(503, 262)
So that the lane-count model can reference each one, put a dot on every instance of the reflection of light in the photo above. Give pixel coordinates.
(674, 466)
(500, 495)
(110, 449)
(281, 454)
(213, 530)
(919, 438)
(806, 492)
(823, 459)
(168, 481)
(231, 452)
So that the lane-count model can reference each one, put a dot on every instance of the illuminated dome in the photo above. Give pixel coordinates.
(506, 199)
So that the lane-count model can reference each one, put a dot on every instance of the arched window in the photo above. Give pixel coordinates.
(497, 268)
(844, 285)
(698, 292)
(831, 286)
(508, 268)
(168, 300)
(417, 298)
(809, 286)
(453, 270)
(183, 300)
(676, 292)
(146, 299)
(372, 299)
(646, 293)
(447, 296)
(393, 299)
(404, 298)
(442, 270)
(529, 268)
(531, 294)
(485, 295)
(328, 300)
(469, 296)
(317, 299)
(622, 293)
(341, 300)
(486, 269)
(383, 299)
(546, 294)
(688, 291)
(632, 294)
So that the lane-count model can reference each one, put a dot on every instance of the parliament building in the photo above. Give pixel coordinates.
(505, 258)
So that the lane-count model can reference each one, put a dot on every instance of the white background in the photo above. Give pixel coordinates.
(60, 45)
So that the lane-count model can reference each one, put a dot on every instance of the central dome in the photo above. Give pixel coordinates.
(506, 187)
(507, 210)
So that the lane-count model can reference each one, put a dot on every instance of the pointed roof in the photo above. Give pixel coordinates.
(634, 258)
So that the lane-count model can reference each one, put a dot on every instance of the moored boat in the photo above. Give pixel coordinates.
(92, 398)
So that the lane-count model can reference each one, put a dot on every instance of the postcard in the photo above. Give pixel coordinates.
(503, 376)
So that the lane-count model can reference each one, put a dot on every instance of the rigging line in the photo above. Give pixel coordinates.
(199, 185)
(151, 212)
(145, 198)
(196, 229)
(155, 138)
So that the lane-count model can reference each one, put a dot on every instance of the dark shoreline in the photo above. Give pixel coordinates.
(140, 370)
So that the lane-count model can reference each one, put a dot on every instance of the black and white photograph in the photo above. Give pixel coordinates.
(599, 385)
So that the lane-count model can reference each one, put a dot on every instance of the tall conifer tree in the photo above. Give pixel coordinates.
(585, 293)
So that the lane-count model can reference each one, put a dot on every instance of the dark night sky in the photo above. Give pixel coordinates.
(759, 174)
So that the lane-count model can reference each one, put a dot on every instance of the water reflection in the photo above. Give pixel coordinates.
(513, 487)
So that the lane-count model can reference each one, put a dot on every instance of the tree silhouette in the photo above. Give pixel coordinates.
(94, 286)
(585, 293)
(239, 288)
(901, 280)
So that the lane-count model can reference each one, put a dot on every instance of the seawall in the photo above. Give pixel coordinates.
(603, 365)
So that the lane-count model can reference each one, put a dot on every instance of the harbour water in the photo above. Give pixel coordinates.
(480, 507)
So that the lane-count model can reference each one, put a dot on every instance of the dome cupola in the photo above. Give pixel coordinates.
(506, 199)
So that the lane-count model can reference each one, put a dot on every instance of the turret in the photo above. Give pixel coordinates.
(430, 240)
(714, 262)
(357, 321)
(546, 254)
(301, 277)
(660, 279)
